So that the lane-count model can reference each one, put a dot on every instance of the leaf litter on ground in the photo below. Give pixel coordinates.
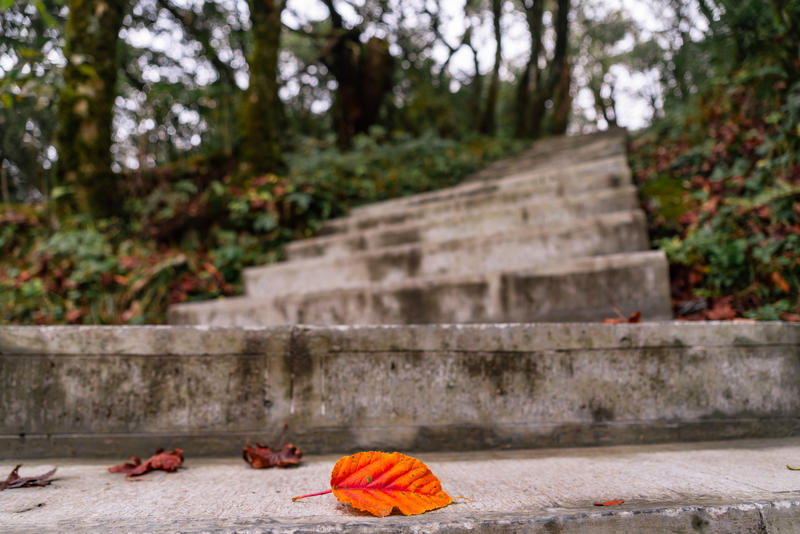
(14, 481)
(165, 461)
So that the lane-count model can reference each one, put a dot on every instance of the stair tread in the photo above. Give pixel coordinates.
(730, 486)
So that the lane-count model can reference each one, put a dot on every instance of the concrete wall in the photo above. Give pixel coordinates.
(124, 390)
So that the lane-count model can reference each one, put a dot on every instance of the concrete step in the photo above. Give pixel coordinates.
(558, 152)
(524, 177)
(710, 487)
(475, 222)
(528, 185)
(509, 250)
(118, 391)
(580, 289)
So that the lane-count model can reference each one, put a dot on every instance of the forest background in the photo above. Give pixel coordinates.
(150, 150)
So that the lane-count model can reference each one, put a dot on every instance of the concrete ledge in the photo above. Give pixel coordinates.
(95, 389)
(719, 487)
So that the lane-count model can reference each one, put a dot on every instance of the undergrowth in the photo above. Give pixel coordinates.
(720, 182)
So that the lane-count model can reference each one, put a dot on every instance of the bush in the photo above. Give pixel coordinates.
(721, 182)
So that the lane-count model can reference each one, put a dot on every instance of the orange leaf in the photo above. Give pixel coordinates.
(780, 282)
(616, 502)
(379, 482)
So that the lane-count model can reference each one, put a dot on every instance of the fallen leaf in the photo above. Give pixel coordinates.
(616, 502)
(379, 482)
(635, 317)
(165, 461)
(260, 456)
(722, 310)
(793, 467)
(14, 481)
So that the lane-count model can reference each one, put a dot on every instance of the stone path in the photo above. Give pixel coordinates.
(552, 235)
(712, 487)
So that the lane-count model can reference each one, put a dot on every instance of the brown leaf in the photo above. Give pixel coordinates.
(793, 467)
(260, 456)
(165, 461)
(722, 310)
(791, 317)
(14, 481)
(616, 502)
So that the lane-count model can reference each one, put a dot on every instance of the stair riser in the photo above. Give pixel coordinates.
(475, 223)
(639, 282)
(527, 189)
(609, 234)
(114, 391)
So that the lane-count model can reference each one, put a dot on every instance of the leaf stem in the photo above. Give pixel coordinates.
(310, 495)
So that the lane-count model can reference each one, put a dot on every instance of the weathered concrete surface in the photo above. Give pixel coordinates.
(477, 222)
(522, 248)
(580, 289)
(718, 487)
(115, 390)
(558, 151)
(527, 186)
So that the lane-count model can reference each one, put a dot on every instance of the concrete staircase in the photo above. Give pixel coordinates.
(552, 235)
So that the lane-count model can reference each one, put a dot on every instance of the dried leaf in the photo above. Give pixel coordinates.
(379, 482)
(635, 317)
(616, 502)
(260, 456)
(793, 467)
(165, 461)
(722, 310)
(14, 481)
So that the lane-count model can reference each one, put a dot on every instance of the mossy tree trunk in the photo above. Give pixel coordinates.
(487, 123)
(363, 73)
(261, 112)
(87, 102)
(535, 97)
(562, 102)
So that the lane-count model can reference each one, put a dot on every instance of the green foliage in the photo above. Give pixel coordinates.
(721, 178)
(190, 231)
(376, 169)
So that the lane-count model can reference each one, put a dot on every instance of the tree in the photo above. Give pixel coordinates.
(30, 78)
(86, 105)
(363, 73)
(537, 86)
(261, 111)
(487, 124)
(600, 35)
